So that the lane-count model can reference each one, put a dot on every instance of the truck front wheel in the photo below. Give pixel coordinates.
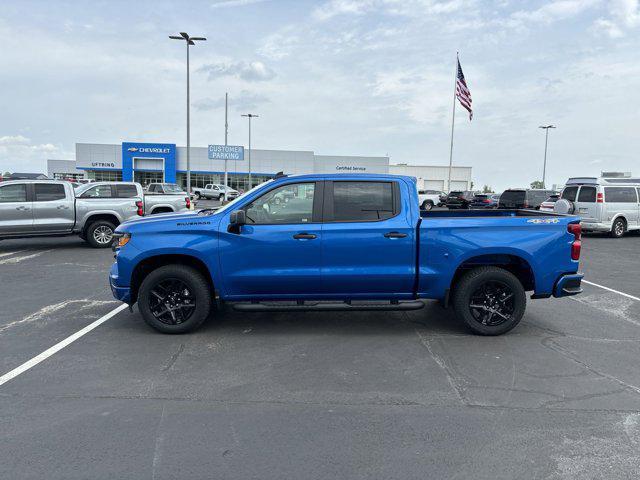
(489, 300)
(174, 299)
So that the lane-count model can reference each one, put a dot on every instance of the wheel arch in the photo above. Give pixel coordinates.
(95, 217)
(149, 264)
(513, 263)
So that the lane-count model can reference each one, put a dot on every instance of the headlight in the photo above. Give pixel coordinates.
(121, 239)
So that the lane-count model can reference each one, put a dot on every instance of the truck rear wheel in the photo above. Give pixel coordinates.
(100, 234)
(427, 205)
(174, 299)
(489, 300)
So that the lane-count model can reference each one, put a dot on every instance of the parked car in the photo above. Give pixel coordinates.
(428, 199)
(549, 203)
(485, 200)
(603, 204)
(523, 198)
(357, 242)
(165, 188)
(459, 199)
(215, 191)
(31, 208)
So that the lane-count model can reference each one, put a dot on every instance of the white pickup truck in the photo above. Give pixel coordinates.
(32, 208)
(215, 191)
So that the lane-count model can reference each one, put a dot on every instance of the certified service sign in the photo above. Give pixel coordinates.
(226, 152)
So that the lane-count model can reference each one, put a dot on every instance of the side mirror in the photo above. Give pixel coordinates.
(236, 220)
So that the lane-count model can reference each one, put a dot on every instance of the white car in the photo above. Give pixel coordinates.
(549, 203)
(428, 199)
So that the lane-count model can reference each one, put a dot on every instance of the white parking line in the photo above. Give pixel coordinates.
(612, 290)
(59, 346)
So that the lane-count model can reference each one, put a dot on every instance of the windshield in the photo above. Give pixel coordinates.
(233, 202)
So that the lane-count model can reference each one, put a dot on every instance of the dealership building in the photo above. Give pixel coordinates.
(165, 162)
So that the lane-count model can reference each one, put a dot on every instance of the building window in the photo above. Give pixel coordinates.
(105, 175)
(238, 182)
(68, 176)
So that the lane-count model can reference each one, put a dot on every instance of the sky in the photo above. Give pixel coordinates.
(339, 77)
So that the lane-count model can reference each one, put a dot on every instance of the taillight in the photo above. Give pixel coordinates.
(187, 201)
(525, 205)
(486, 200)
(576, 230)
(599, 198)
(140, 205)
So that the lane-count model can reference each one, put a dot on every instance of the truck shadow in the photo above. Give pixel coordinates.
(432, 318)
(44, 243)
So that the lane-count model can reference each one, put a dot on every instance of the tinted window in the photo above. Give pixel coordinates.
(587, 194)
(46, 192)
(13, 193)
(569, 193)
(620, 195)
(99, 191)
(362, 201)
(287, 204)
(512, 197)
(126, 191)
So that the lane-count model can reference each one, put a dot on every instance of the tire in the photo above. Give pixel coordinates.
(198, 196)
(99, 234)
(427, 205)
(157, 282)
(618, 228)
(497, 283)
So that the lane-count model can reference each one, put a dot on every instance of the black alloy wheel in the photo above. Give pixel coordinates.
(492, 303)
(175, 299)
(489, 300)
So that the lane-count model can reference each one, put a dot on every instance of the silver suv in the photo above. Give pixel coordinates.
(604, 204)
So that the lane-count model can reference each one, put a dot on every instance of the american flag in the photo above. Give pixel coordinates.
(462, 91)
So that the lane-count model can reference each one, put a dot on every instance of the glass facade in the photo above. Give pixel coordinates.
(68, 176)
(238, 182)
(105, 175)
(145, 178)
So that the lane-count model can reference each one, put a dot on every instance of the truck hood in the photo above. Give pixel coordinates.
(159, 221)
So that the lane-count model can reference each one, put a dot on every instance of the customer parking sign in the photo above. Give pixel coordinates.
(226, 152)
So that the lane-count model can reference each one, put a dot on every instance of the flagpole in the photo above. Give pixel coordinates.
(453, 122)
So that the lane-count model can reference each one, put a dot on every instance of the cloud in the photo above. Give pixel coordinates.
(245, 100)
(623, 15)
(234, 3)
(555, 10)
(248, 71)
(32, 156)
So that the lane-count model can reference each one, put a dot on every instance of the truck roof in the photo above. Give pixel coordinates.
(347, 176)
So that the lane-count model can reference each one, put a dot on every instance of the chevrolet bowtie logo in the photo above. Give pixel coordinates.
(132, 149)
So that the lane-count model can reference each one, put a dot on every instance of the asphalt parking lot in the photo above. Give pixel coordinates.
(317, 395)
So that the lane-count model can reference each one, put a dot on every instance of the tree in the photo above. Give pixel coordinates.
(471, 185)
(537, 184)
(487, 189)
(6, 174)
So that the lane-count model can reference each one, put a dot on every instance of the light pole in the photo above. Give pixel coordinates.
(250, 116)
(546, 141)
(189, 41)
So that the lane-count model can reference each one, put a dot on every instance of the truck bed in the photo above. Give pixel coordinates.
(484, 213)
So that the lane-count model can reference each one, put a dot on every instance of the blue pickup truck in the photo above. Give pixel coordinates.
(343, 241)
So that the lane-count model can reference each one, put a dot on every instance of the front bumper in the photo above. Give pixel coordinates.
(568, 284)
(120, 293)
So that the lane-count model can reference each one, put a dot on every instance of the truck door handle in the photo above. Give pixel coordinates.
(61, 207)
(304, 236)
(395, 235)
(22, 207)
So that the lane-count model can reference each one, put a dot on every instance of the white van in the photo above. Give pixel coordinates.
(605, 204)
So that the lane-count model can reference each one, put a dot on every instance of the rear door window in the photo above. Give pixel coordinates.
(570, 193)
(13, 193)
(362, 201)
(587, 194)
(47, 192)
(620, 195)
(99, 191)
(512, 197)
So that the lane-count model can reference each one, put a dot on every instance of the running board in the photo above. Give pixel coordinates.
(327, 306)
